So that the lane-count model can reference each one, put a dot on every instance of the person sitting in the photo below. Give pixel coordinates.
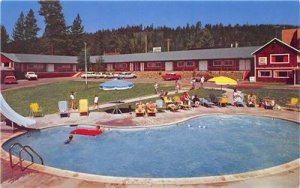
(251, 100)
(69, 140)
(269, 103)
(237, 98)
(185, 98)
(196, 101)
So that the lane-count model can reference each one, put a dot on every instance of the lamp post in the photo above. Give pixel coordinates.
(85, 66)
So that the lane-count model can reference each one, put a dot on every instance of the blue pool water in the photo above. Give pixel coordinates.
(202, 146)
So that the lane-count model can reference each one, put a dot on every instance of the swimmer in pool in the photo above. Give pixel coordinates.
(69, 140)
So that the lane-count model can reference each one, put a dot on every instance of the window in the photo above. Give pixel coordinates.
(180, 64)
(279, 58)
(264, 73)
(185, 64)
(282, 74)
(228, 63)
(189, 64)
(35, 67)
(120, 66)
(63, 68)
(262, 60)
(154, 65)
(217, 63)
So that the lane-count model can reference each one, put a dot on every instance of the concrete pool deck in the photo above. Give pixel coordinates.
(39, 176)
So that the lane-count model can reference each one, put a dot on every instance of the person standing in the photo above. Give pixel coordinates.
(156, 87)
(202, 79)
(72, 100)
(177, 86)
(96, 102)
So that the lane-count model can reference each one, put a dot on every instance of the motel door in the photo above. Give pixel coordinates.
(142, 66)
(202, 65)
(131, 67)
(50, 68)
(169, 66)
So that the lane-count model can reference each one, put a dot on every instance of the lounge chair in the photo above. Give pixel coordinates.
(172, 107)
(159, 105)
(63, 109)
(167, 100)
(36, 110)
(84, 107)
(151, 109)
(140, 109)
(177, 100)
(294, 103)
(223, 101)
(206, 103)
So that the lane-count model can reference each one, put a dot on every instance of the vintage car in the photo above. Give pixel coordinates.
(88, 75)
(31, 76)
(126, 75)
(10, 80)
(171, 76)
(99, 75)
(109, 75)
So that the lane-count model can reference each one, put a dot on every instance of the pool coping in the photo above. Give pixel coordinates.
(222, 179)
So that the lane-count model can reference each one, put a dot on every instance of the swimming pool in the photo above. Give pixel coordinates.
(202, 146)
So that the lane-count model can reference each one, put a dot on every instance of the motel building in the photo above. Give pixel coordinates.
(276, 61)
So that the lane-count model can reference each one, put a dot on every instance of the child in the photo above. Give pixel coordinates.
(96, 102)
(72, 100)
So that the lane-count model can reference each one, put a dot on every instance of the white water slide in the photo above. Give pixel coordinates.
(13, 116)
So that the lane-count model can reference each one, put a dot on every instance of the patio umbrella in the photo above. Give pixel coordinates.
(223, 80)
(116, 85)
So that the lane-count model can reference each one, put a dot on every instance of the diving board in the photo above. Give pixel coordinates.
(13, 116)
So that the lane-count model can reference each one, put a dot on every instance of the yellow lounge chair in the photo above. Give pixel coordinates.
(84, 107)
(294, 103)
(36, 110)
(223, 101)
(140, 109)
(151, 109)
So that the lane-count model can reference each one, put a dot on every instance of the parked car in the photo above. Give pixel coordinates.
(99, 75)
(10, 80)
(109, 75)
(126, 75)
(206, 77)
(88, 75)
(171, 76)
(31, 76)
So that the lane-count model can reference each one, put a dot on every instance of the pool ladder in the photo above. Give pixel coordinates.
(25, 149)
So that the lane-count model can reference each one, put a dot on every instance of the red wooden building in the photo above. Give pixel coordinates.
(43, 65)
(276, 61)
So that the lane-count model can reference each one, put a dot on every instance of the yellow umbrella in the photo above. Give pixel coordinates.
(223, 80)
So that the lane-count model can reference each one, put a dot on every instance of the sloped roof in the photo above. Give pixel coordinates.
(34, 58)
(205, 54)
(277, 40)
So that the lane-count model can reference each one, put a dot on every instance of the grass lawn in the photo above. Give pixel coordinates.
(281, 96)
(48, 95)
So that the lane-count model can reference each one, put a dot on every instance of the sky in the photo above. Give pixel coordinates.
(98, 15)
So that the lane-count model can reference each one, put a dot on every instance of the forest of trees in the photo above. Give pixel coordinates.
(60, 39)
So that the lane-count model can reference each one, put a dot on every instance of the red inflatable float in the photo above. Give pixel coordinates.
(89, 132)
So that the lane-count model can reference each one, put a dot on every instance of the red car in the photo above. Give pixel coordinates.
(171, 76)
(10, 80)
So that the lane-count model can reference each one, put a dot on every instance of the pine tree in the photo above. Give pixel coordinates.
(4, 39)
(31, 27)
(19, 29)
(55, 29)
(76, 36)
